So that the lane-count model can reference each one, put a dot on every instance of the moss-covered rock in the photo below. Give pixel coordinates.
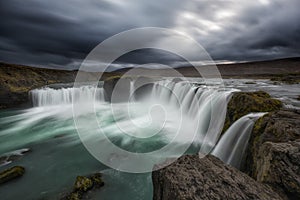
(11, 173)
(293, 78)
(74, 196)
(83, 184)
(243, 103)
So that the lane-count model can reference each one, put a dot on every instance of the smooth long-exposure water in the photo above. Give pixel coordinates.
(193, 112)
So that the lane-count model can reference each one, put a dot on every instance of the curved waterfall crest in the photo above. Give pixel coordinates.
(203, 109)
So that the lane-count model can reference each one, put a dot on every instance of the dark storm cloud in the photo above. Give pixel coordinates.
(259, 32)
(60, 33)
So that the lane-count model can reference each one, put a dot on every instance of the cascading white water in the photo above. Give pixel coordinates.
(50, 96)
(204, 109)
(196, 113)
(231, 147)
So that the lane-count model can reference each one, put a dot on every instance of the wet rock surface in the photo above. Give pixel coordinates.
(11, 173)
(208, 178)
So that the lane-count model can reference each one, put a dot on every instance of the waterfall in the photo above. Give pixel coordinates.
(49, 96)
(231, 147)
(196, 113)
(204, 108)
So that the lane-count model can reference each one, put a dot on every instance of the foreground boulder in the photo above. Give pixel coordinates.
(273, 153)
(280, 167)
(11, 173)
(243, 103)
(208, 178)
(278, 127)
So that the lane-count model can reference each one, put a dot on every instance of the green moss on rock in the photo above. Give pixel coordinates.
(83, 184)
(292, 78)
(243, 103)
(11, 173)
(74, 196)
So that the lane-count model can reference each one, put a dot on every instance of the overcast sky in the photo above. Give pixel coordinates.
(60, 33)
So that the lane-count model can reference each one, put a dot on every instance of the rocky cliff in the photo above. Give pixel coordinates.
(208, 178)
(273, 155)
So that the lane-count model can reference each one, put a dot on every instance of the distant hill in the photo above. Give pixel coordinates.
(258, 69)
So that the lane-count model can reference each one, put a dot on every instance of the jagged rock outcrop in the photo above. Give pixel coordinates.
(243, 103)
(208, 178)
(273, 153)
(279, 166)
(11, 173)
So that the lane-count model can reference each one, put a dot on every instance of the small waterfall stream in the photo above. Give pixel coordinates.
(231, 147)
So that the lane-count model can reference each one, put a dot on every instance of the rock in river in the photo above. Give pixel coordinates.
(11, 173)
(84, 184)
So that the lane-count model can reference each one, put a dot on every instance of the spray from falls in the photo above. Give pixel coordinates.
(203, 110)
